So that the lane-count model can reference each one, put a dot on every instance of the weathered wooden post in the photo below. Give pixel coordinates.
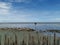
(23, 42)
(29, 39)
(38, 38)
(33, 42)
(54, 38)
(47, 40)
(0, 39)
(5, 41)
(54, 31)
(8, 41)
(15, 39)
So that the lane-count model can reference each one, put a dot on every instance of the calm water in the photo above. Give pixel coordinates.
(38, 26)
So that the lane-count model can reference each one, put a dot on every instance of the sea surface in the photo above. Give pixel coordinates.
(33, 26)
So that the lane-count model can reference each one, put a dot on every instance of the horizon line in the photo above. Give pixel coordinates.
(29, 22)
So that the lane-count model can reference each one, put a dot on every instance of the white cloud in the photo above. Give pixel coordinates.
(4, 5)
(24, 1)
(58, 19)
(21, 15)
(4, 8)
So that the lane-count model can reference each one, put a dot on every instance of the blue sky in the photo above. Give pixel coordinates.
(30, 11)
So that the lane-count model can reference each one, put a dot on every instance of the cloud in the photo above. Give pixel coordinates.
(22, 16)
(24, 1)
(4, 5)
(4, 8)
(57, 19)
(9, 14)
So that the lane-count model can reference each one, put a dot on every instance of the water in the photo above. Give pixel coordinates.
(38, 26)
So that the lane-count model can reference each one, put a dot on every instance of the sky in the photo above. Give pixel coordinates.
(30, 11)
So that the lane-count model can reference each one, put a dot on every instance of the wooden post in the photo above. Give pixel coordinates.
(29, 40)
(0, 39)
(33, 42)
(23, 42)
(5, 43)
(8, 41)
(15, 39)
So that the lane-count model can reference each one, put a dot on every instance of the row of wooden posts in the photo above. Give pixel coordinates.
(42, 40)
(31, 41)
